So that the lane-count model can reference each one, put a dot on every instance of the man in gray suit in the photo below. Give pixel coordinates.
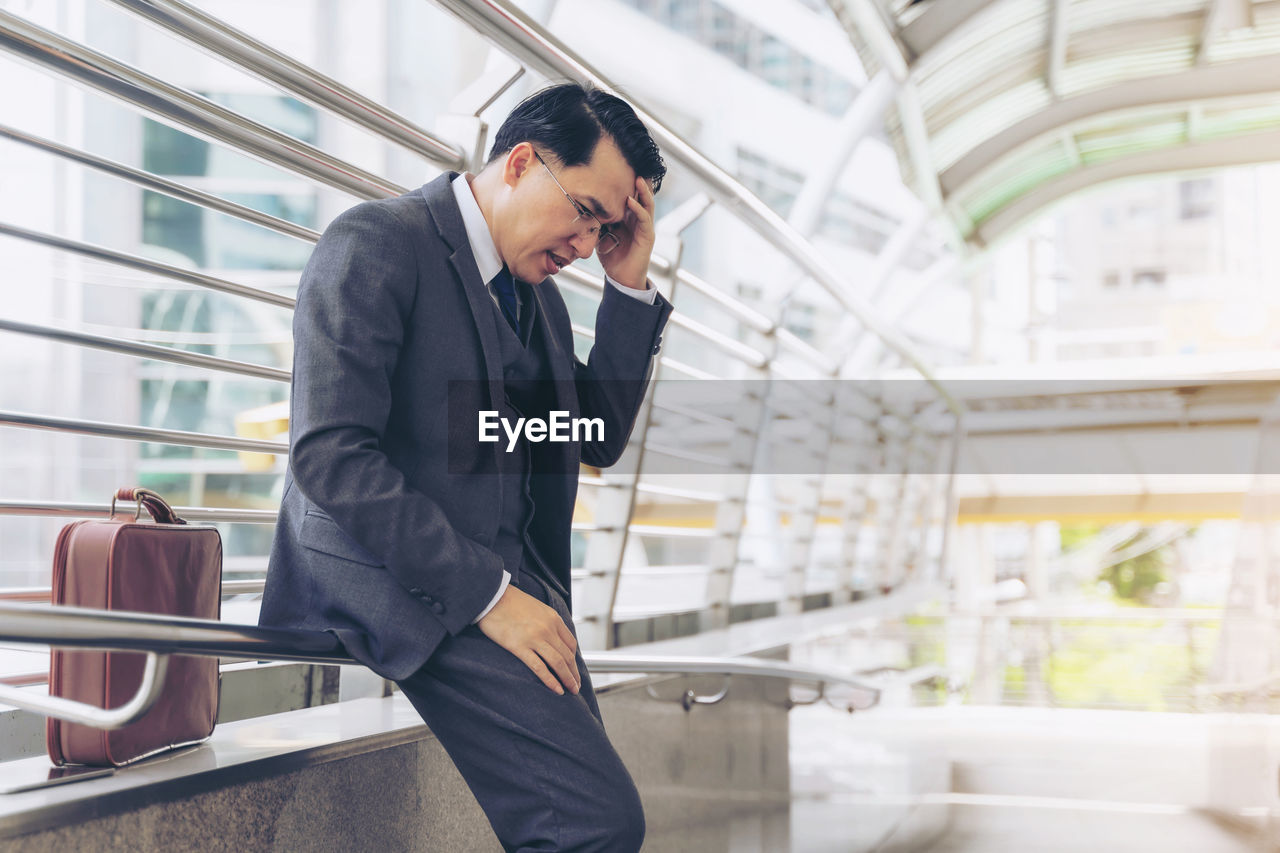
(441, 559)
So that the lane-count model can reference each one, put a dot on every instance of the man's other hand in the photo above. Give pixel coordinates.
(628, 264)
(537, 635)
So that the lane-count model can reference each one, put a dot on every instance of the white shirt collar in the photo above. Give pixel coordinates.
(482, 246)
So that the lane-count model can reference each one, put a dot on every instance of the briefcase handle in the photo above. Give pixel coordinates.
(156, 505)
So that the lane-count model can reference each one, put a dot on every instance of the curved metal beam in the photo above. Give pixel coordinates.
(866, 113)
(1222, 16)
(1058, 38)
(1245, 78)
(938, 22)
(1243, 150)
(867, 23)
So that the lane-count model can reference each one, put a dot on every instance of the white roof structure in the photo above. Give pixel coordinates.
(1007, 106)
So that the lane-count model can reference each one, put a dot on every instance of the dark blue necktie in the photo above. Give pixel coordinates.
(505, 286)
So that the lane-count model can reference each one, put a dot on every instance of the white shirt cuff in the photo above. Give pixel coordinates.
(648, 295)
(506, 579)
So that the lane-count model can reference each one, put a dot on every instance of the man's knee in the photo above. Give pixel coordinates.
(622, 827)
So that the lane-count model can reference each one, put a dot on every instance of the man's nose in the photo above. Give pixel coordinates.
(583, 244)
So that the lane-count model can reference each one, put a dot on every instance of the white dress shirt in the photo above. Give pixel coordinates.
(490, 264)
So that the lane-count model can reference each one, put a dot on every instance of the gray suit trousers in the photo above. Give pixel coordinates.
(539, 763)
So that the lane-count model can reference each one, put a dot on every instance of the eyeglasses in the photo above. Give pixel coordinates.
(606, 240)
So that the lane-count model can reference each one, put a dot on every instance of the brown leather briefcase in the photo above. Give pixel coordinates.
(163, 566)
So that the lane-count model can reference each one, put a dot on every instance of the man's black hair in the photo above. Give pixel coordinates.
(567, 121)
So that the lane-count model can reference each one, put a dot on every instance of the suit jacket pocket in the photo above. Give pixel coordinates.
(321, 533)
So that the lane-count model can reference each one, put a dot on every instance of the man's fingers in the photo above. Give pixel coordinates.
(644, 193)
(567, 637)
(565, 667)
(643, 218)
(537, 636)
(539, 669)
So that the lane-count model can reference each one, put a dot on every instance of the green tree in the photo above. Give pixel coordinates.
(1136, 578)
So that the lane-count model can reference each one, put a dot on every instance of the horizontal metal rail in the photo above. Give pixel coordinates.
(116, 630)
(198, 115)
(590, 527)
(635, 612)
(136, 262)
(158, 636)
(653, 489)
(692, 665)
(669, 569)
(600, 482)
(588, 285)
(789, 341)
(686, 369)
(44, 594)
(746, 314)
(693, 456)
(60, 509)
(141, 350)
(726, 344)
(671, 532)
(580, 281)
(687, 494)
(779, 370)
(734, 348)
(155, 183)
(245, 587)
(697, 415)
(518, 35)
(135, 433)
(678, 366)
(268, 64)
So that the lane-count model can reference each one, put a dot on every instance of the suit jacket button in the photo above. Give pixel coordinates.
(438, 607)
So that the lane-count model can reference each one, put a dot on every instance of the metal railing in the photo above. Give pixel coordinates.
(268, 64)
(516, 34)
(155, 183)
(161, 636)
(122, 81)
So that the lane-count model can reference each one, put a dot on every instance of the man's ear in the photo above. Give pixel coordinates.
(517, 163)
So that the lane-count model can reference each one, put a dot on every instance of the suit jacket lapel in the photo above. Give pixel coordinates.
(448, 219)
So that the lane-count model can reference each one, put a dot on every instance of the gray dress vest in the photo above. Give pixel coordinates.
(528, 392)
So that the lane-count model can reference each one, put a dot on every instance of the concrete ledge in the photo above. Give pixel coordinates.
(238, 753)
(367, 774)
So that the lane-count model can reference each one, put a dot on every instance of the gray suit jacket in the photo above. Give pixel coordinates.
(383, 538)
